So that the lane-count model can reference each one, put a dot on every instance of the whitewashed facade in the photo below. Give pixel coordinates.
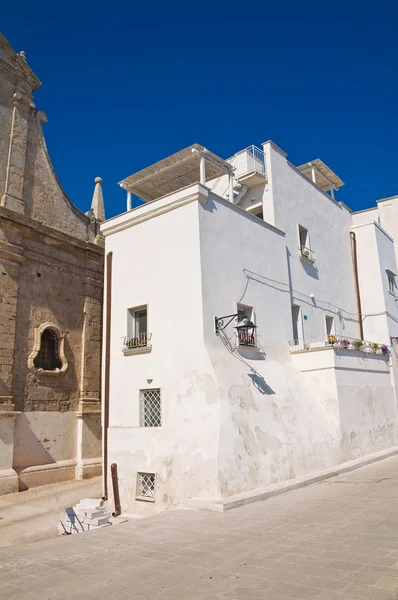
(195, 415)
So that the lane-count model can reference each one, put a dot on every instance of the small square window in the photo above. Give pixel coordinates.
(146, 486)
(391, 281)
(150, 408)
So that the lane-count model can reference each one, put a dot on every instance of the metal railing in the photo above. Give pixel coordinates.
(255, 159)
(138, 341)
(340, 343)
(307, 253)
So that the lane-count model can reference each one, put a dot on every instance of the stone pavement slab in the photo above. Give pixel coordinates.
(34, 514)
(335, 540)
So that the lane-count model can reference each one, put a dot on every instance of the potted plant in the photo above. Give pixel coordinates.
(331, 340)
(345, 343)
(384, 349)
(358, 344)
(375, 347)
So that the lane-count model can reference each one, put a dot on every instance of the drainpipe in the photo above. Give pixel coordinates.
(355, 265)
(115, 487)
(107, 372)
(129, 204)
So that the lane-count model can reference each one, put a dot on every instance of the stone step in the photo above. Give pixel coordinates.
(99, 521)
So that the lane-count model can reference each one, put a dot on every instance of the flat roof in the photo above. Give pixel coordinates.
(173, 173)
(325, 177)
(385, 199)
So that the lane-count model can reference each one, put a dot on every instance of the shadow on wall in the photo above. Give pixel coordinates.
(31, 451)
(311, 270)
(260, 384)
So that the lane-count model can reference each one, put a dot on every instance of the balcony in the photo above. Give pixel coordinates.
(344, 343)
(140, 344)
(249, 166)
(307, 254)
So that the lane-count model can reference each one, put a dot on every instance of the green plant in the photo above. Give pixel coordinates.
(358, 344)
(375, 347)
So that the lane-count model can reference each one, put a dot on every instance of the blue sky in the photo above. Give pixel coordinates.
(126, 84)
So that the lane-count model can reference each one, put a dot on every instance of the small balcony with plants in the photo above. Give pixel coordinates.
(340, 343)
(339, 363)
(138, 344)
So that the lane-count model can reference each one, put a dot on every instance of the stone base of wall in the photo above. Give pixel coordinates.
(8, 482)
(67, 470)
(44, 474)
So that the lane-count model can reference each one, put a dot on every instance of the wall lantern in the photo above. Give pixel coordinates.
(246, 332)
(245, 328)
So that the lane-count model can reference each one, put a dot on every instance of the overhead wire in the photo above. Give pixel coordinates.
(290, 289)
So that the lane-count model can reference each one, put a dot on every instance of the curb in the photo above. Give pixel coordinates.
(224, 504)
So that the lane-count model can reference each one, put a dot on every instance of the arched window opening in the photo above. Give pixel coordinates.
(48, 356)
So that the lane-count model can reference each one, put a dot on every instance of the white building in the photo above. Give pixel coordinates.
(193, 415)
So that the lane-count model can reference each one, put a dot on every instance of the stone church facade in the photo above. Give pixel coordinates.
(51, 286)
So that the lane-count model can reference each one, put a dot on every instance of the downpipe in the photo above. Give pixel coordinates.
(107, 372)
(355, 265)
(115, 488)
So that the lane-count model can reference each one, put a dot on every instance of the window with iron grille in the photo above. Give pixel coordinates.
(146, 485)
(48, 356)
(150, 408)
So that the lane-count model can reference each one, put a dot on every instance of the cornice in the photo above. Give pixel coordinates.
(17, 67)
(11, 252)
(40, 230)
(90, 276)
(153, 209)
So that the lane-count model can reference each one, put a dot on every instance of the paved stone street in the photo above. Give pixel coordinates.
(34, 514)
(337, 540)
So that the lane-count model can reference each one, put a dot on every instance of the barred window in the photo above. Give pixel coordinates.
(48, 356)
(150, 408)
(146, 485)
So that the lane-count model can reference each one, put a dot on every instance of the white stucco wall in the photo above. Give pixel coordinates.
(297, 200)
(360, 396)
(272, 426)
(157, 262)
(362, 217)
(388, 218)
(376, 254)
(235, 419)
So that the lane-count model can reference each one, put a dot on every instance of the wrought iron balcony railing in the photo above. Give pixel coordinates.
(137, 341)
(307, 253)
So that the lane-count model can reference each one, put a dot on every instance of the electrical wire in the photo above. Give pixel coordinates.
(290, 289)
